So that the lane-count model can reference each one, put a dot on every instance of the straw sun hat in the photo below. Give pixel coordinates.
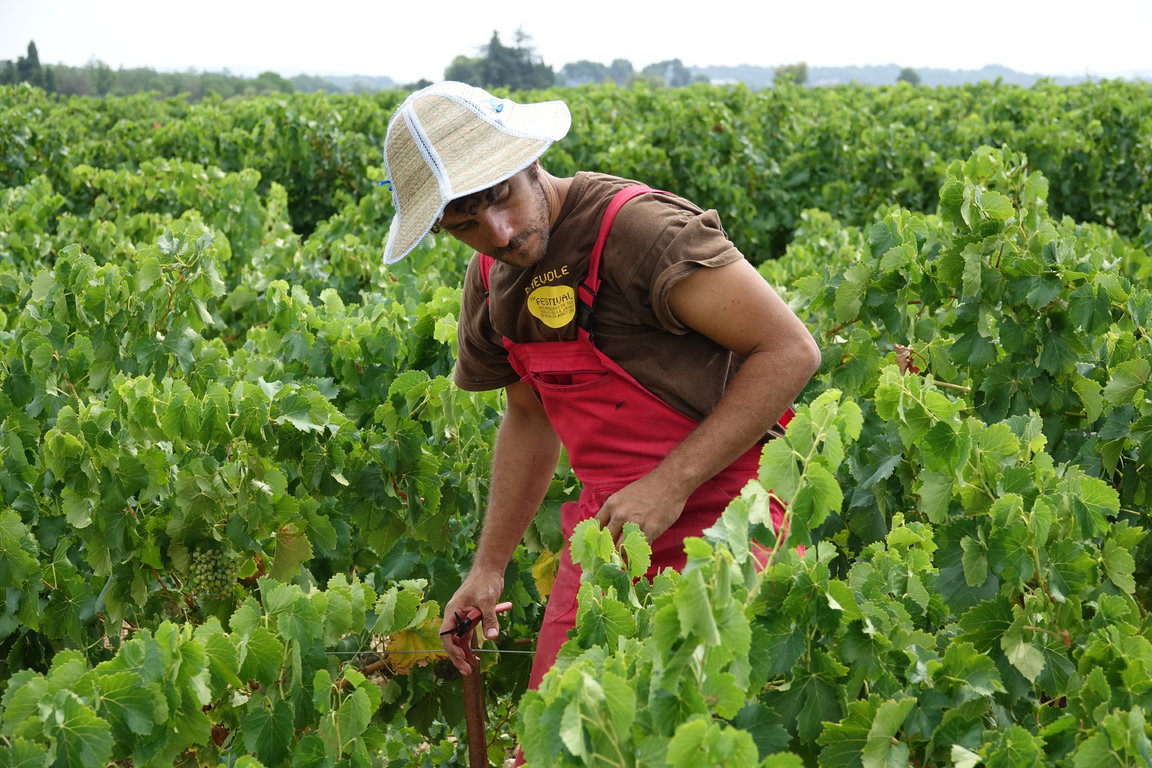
(450, 140)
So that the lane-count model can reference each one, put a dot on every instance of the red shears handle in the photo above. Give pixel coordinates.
(465, 623)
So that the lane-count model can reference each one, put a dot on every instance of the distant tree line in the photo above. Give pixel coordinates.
(98, 79)
(495, 65)
(518, 67)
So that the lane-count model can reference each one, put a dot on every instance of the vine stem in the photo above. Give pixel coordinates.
(837, 328)
(495, 730)
(603, 727)
(1049, 632)
(164, 586)
(957, 387)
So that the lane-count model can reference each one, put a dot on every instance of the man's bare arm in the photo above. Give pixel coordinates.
(736, 308)
(526, 452)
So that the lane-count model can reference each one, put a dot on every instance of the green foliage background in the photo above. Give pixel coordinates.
(202, 349)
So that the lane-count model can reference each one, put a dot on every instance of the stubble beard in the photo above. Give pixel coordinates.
(537, 227)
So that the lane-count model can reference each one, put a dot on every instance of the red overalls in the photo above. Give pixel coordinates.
(615, 431)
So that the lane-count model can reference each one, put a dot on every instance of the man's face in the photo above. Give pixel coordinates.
(508, 222)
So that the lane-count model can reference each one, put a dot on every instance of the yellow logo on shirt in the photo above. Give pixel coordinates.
(553, 305)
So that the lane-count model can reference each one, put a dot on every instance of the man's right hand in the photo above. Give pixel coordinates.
(479, 592)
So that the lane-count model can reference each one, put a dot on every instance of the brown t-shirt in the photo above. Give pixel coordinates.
(656, 241)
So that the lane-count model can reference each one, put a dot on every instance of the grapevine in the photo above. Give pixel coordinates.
(198, 344)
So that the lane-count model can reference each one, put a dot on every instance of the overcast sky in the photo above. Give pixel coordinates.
(405, 41)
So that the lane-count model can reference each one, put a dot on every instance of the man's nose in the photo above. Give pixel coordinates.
(499, 225)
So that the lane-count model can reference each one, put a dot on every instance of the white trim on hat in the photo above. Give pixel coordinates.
(429, 153)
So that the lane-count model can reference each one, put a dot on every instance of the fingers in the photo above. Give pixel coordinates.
(491, 624)
(459, 654)
(456, 634)
(607, 520)
(603, 516)
(649, 508)
(467, 655)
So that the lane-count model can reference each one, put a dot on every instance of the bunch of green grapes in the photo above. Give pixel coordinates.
(213, 574)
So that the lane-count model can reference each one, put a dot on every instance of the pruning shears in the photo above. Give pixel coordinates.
(466, 621)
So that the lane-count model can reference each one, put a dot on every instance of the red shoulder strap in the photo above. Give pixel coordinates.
(586, 291)
(486, 263)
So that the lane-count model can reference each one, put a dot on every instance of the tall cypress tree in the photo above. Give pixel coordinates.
(513, 67)
(28, 67)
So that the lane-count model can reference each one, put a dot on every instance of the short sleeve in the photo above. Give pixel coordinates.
(482, 361)
(700, 244)
(662, 242)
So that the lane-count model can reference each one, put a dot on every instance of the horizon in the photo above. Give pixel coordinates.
(252, 72)
(1069, 38)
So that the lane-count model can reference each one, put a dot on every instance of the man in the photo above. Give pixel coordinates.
(621, 322)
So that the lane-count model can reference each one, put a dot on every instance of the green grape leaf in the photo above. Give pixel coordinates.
(973, 271)
(1094, 504)
(995, 205)
(21, 699)
(962, 757)
(1091, 395)
(898, 257)
(601, 618)
(1119, 741)
(1119, 566)
(946, 447)
(1026, 657)
(779, 470)
(819, 496)
(18, 550)
(935, 491)
(694, 609)
(267, 731)
(724, 694)
(1043, 290)
(1059, 353)
(261, 655)
(882, 749)
(842, 743)
(970, 672)
(571, 728)
(21, 753)
(354, 714)
(396, 609)
(766, 729)
(591, 545)
(83, 740)
(975, 560)
(620, 699)
(1016, 748)
(292, 550)
(636, 550)
(850, 292)
(223, 659)
(1126, 381)
(704, 742)
(127, 704)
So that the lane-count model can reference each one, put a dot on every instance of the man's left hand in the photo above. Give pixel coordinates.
(646, 502)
